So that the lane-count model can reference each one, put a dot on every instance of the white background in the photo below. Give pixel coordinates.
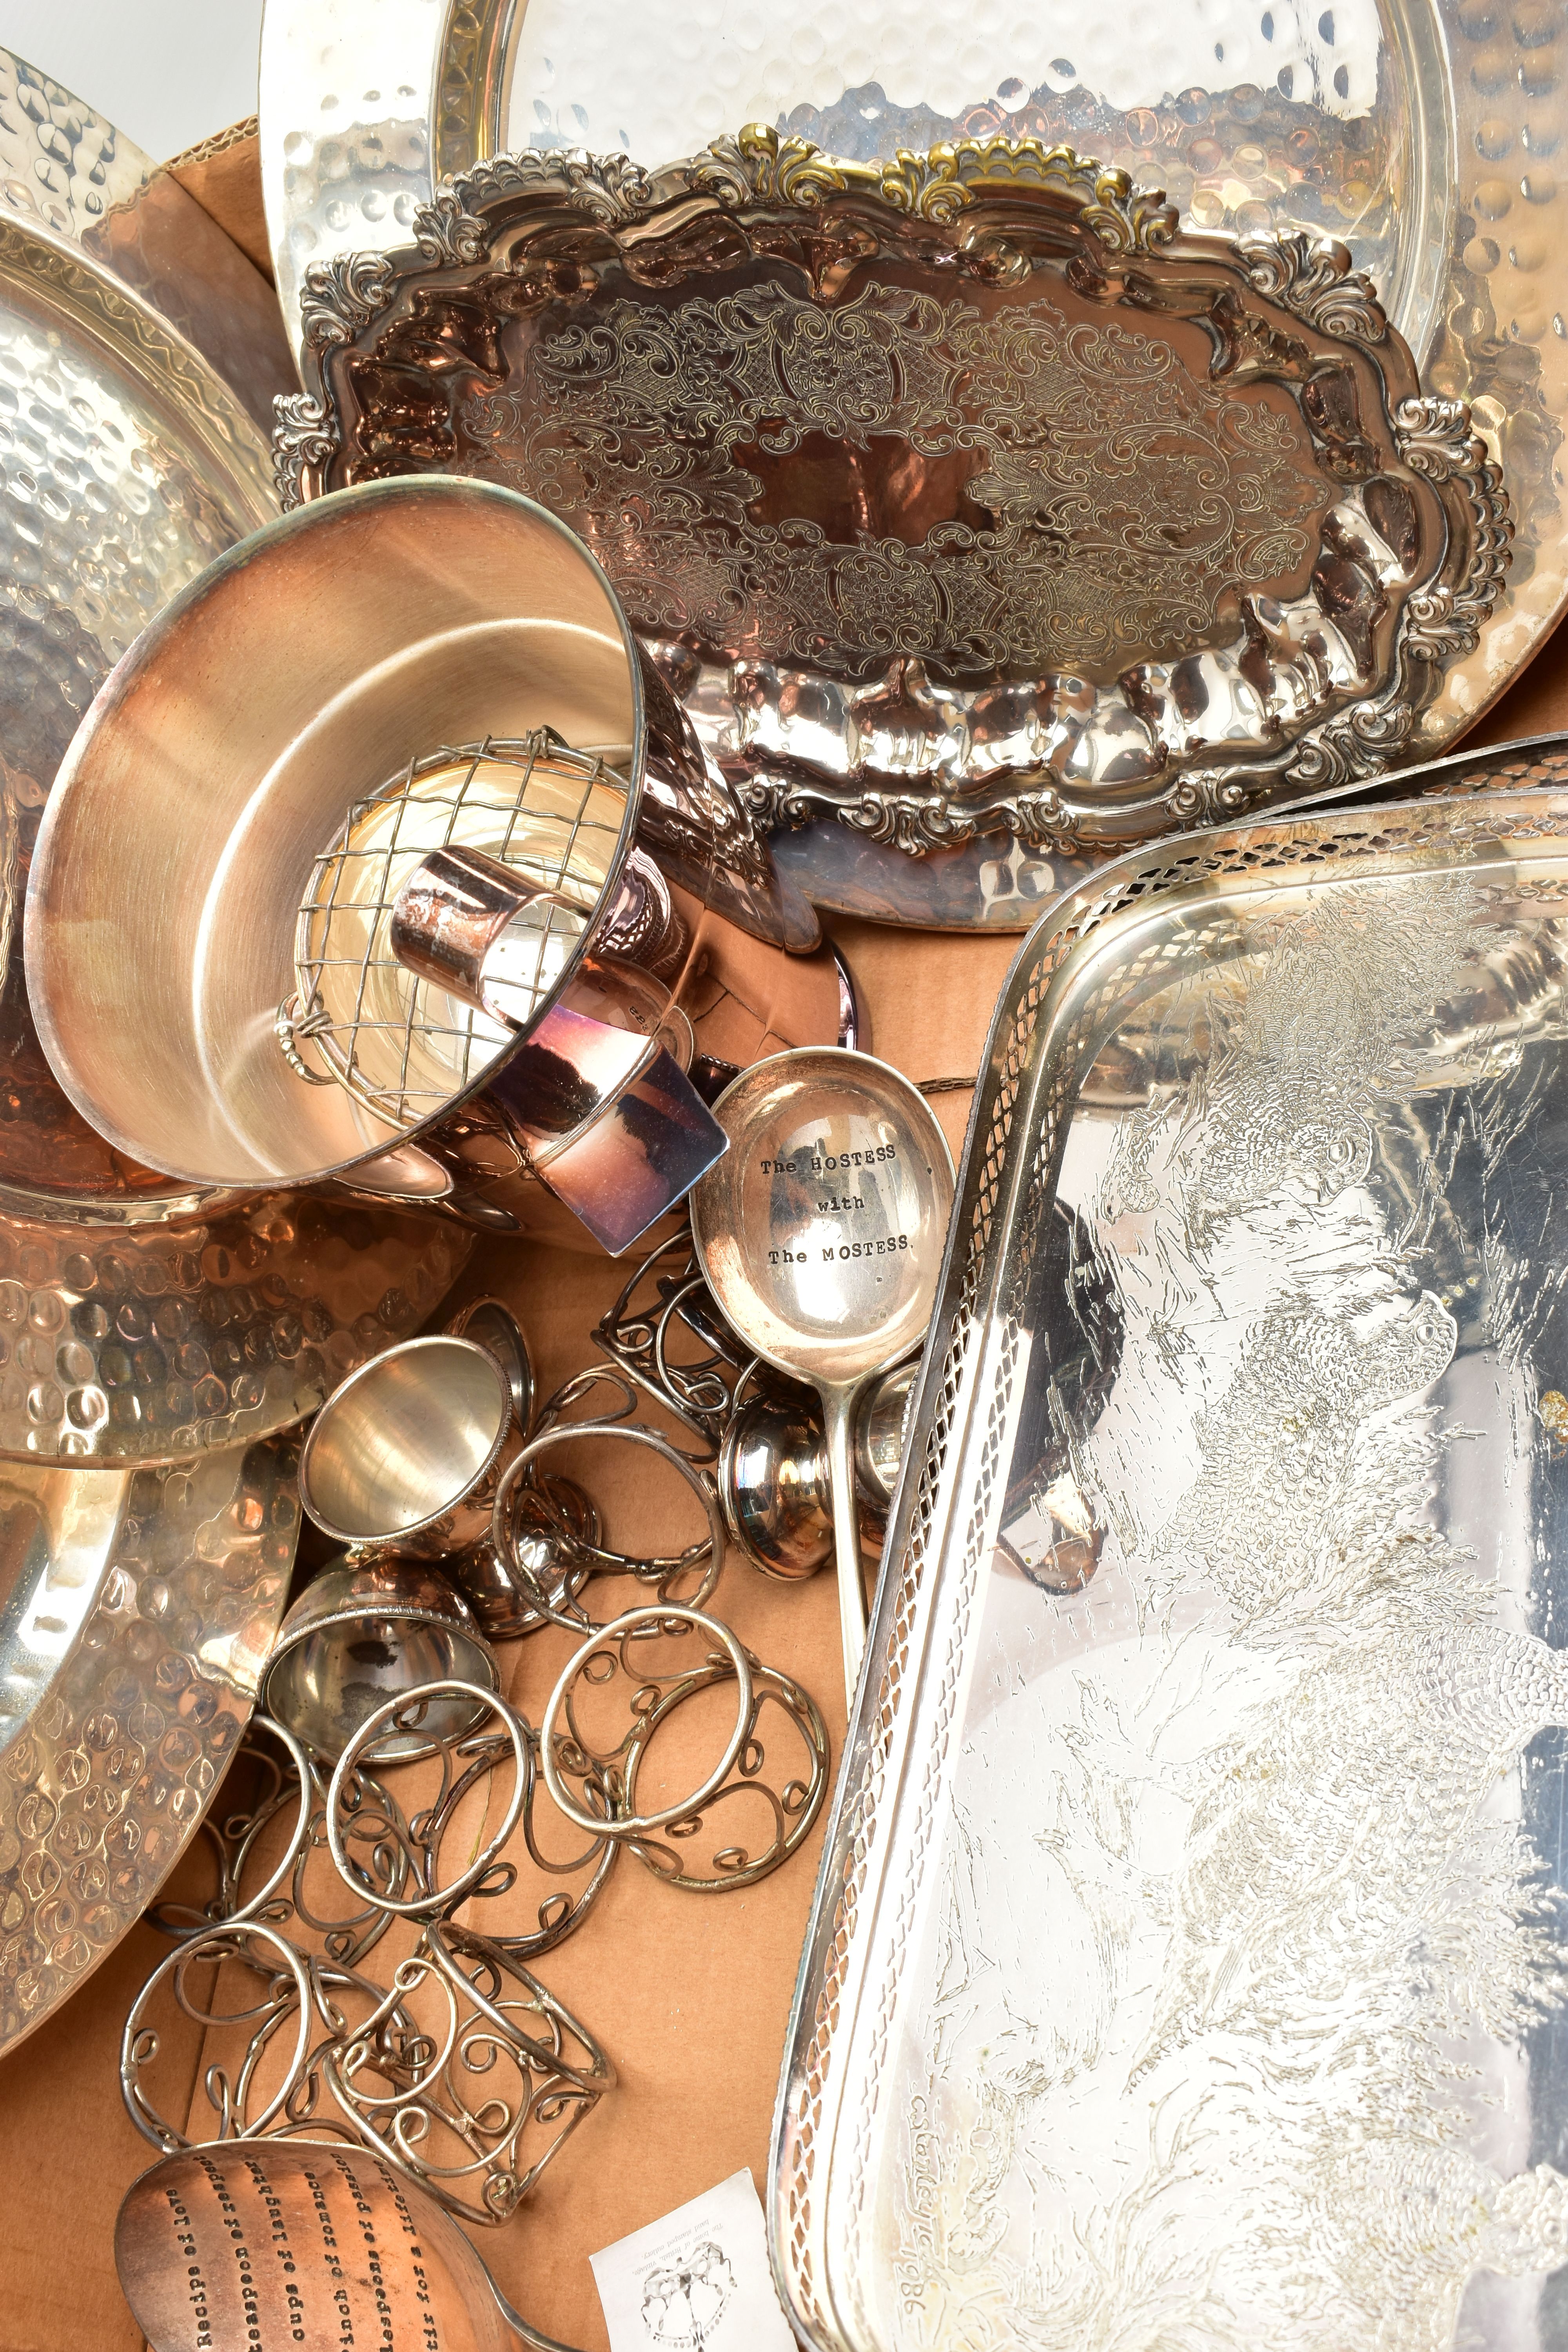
(166, 72)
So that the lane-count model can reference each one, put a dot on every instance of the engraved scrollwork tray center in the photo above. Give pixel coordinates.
(960, 497)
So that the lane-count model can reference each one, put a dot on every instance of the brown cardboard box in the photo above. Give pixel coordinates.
(689, 1994)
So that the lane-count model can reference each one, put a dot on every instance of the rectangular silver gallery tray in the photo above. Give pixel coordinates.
(1187, 1969)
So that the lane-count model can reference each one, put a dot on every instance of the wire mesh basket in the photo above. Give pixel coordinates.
(403, 1047)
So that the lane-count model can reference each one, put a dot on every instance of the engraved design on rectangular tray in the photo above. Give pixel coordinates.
(1330, 1146)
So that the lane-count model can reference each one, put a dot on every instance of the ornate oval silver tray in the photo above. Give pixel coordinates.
(1187, 1960)
(962, 497)
(126, 465)
(1427, 134)
(137, 1609)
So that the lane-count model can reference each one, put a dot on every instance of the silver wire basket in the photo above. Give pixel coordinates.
(402, 1046)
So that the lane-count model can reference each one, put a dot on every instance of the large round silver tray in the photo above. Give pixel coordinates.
(137, 1609)
(138, 1319)
(1422, 135)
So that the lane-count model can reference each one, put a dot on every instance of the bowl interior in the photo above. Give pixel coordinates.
(405, 1439)
(325, 1687)
(298, 676)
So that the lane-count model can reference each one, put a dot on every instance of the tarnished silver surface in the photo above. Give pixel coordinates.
(194, 2233)
(137, 1608)
(957, 497)
(1188, 1961)
(1427, 136)
(66, 169)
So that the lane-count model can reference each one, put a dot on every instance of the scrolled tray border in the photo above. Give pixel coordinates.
(380, 368)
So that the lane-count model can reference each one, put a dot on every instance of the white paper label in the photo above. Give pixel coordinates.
(697, 2278)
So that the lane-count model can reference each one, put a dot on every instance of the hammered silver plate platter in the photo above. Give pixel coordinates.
(960, 499)
(1190, 1956)
(72, 175)
(137, 1609)
(1425, 133)
(138, 1319)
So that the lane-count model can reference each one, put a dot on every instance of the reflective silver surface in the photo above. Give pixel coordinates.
(407, 1453)
(127, 468)
(880, 1434)
(366, 1631)
(543, 1578)
(491, 1323)
(155, 1344)
(960, 499)
(821, 1234)
(259, 710)
(771, 1476)
(64, 169)
(137, 1608)
(365, 104)
(1188, 1962)
(1427, 136)
(618, 1131)
(771, 1471)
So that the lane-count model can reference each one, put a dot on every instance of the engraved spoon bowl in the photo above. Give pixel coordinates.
(821, 1233)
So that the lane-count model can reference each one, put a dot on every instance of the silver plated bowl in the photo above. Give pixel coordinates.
(142, 1317)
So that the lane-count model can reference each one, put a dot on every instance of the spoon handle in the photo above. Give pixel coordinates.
(838, 1413)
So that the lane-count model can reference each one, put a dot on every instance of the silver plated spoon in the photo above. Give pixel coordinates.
(821, 1233)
